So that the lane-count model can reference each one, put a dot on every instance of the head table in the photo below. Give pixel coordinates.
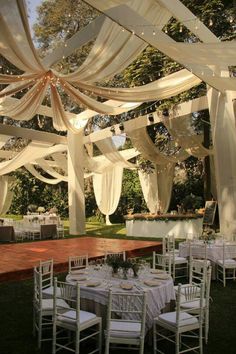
(96, 281)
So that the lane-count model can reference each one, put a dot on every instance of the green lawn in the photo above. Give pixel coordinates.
(16, 309)
(16, 320)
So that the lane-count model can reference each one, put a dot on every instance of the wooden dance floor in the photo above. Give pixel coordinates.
(17, 260)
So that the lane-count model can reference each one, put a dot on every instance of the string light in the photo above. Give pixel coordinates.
(154, 33)
(181, 29)
(210, 22)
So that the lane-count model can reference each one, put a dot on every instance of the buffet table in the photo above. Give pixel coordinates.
(96, 282)
(162, 225)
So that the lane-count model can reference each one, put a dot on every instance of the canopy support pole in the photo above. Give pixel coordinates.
(76, 183)
(224, 142)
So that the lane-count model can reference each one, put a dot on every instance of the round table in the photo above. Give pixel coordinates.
(212, 251)
(160, 292)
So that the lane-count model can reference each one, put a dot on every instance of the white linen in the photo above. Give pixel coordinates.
(6, 195)
(214, 251)
(32, 151)
(107, 189)
(157, 296)
(157, 187)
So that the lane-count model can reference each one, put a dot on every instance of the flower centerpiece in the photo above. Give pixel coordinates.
(135, 265)
(126, 265)
(114, 261)
(41, 210)
(208, 235)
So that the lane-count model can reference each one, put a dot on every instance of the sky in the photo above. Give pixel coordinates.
(31, 6)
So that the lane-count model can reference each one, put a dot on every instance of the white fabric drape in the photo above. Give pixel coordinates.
(33, 151)
(157, 187)
(224, 140)
(39, 176)
(44, 165)
(6, 194)
(184, 136)
(109, 150)
(107, 189)
(15, 40)
(3, 140)
(99, 164)
(143, 143)
(115, 49)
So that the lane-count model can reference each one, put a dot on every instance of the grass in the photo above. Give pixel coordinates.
(16, 309)
(16, 320)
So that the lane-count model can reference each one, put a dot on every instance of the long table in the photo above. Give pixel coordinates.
(163, 225)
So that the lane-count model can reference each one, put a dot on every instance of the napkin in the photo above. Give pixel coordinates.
(78, 277)
(162, 276)
(152, 282)
(82, 271)
(157, 271)
(93, 283)
(126, 286)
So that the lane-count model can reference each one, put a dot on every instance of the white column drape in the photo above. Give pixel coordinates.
(224, 140)
(157, 187)
(107, 189)
(6, 195)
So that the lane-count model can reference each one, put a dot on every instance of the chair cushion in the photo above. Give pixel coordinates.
(49, 291)
(125, 329)
(193, 304)
(47, 304)
(70, 316)
(180, 260)
(185, 319)
(228, 263)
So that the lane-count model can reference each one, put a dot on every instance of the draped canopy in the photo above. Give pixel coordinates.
(118, 42)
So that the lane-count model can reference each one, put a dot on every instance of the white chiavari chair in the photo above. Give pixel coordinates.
(226, 266)
(76, 263)
(176, 326)
(42, 310)
(126, 316)
(86, 326)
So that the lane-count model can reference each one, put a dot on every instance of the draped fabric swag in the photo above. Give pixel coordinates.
(6, 195)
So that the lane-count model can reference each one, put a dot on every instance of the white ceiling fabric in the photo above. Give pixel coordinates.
(3, 140)
(31, 152)
(39, 176)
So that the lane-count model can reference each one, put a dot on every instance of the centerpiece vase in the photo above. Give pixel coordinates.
(125, 273)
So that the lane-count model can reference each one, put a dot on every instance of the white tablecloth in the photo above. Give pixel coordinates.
(214, 251)
(42, 218)
(157, 296)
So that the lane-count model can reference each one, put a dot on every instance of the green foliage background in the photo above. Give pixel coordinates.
(57, 21)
